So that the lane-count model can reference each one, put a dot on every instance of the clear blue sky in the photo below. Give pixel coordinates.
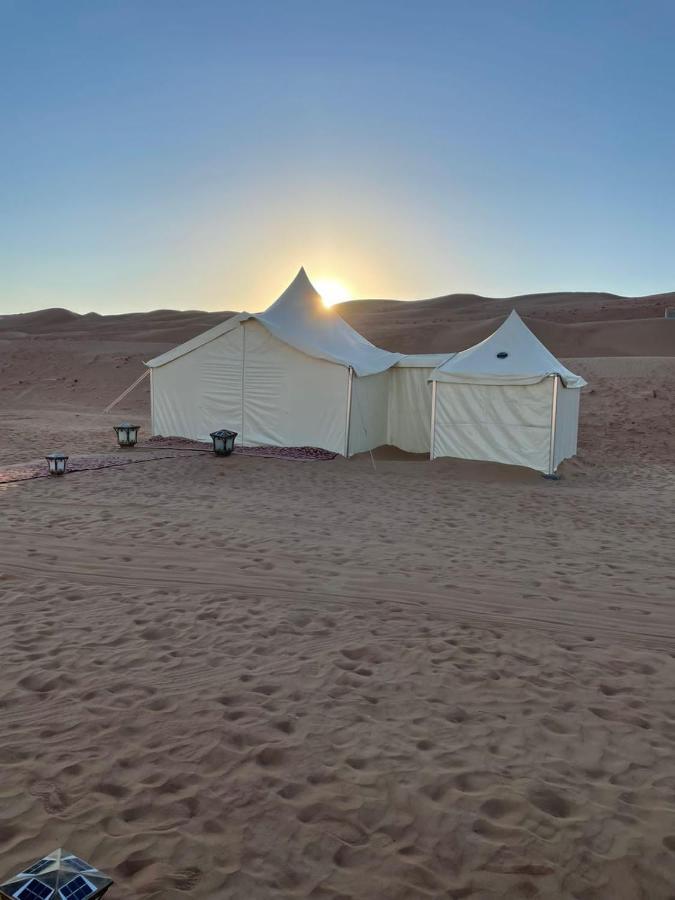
(165, 153)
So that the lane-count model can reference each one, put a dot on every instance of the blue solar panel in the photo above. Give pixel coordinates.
(39, 866)
(77, 889)
(34, 890)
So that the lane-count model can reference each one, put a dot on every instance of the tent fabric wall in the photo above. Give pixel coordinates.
(281, 377)
(291, 399)
(496, 401)
(500, 423)
(368, 412)
(409, 413)
(178, 409)
(250, 382)
(567, 422)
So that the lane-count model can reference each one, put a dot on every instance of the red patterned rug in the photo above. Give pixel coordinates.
(37, 468)
(301, 453)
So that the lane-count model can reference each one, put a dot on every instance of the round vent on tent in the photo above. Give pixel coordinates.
(502, 355)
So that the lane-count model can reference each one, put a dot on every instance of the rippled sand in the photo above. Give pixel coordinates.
(248, 678)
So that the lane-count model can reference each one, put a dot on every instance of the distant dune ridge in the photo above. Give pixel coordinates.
(571, 324)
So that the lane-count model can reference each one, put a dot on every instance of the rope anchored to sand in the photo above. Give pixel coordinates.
(128, 391)
(37, 468)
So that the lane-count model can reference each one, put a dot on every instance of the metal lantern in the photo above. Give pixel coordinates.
(59, 875)
(57, 463)
(127, 434)
(223, 441)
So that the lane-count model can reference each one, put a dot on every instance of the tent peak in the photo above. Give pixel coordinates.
(300, 297)
(302, 278)
(512, 354)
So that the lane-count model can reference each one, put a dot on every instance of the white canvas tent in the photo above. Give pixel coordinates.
(507, 399)
(295, 375)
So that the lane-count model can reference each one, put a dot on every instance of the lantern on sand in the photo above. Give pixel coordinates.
(127, 434)
(223, 441)
(57, 463)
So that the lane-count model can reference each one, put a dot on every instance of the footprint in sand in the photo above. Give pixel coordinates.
(550, 802)
(186, 879)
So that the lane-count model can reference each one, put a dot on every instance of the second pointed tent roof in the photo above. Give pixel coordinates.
(511, 355)
(299, 318)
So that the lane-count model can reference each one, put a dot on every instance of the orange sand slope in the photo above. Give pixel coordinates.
(255, 679)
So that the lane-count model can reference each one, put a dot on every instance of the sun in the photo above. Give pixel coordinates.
(332, 291)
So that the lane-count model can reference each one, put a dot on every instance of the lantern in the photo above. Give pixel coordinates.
(127, 434)
(223, 441)
(59, 875)
(57, 463)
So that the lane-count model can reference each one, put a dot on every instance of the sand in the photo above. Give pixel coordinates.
(250, 678)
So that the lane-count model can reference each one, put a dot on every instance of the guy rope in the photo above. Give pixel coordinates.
(128, 391)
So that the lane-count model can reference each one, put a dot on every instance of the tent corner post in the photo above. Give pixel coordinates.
(432, 436)
(349, 410)
(152, 402)
(554, 416)
(243, 383)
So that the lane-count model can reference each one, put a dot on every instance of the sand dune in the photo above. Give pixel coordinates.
(571, 324)
(258, 679)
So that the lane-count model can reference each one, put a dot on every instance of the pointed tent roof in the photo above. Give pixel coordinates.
(511, 355)
(299, 318)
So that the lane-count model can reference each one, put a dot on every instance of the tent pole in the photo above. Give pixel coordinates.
(349, 410)
(152, 402)
(554, 415)
(243, 382)
(432, 437)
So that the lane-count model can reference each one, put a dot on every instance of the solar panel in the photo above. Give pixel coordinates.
(74, 862)
(34, 890)
(77, 889)
(38, 867)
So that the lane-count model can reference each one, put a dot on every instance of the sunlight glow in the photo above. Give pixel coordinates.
(332, 291)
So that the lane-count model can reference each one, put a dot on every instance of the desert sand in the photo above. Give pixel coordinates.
(249, 678)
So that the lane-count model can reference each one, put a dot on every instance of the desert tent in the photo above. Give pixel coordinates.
(294, 375)
(507, 399)
(409, 405)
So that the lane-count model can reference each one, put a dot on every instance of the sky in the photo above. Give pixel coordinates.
(193, 155)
